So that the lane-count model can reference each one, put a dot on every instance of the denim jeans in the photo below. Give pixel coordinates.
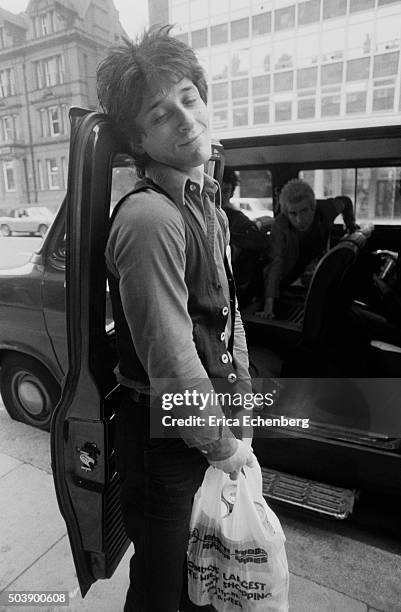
(159, 478)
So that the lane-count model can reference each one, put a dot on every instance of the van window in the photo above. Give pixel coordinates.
(375, 192)
(253, 195)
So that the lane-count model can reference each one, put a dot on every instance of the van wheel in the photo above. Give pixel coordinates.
(42, 229)
(29, 391)
(5, 230)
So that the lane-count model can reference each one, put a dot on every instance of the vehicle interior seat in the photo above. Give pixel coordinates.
(309, 317)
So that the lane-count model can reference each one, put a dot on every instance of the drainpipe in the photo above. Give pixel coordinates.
(30, 140)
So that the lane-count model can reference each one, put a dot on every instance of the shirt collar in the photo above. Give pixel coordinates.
(175, 181)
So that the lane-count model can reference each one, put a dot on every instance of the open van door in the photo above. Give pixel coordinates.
(82, 450)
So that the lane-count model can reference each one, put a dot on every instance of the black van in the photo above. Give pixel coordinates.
(353, 441)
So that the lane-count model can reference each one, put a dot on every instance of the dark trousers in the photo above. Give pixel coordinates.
(159, 478)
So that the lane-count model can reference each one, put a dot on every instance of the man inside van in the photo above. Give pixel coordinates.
(249, 244)
(177, 324)
(299, 235)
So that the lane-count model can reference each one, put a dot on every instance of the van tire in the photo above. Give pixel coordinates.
(42, 229)
(29, 391)
(5, 231)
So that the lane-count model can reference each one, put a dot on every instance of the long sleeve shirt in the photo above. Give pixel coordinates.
(146, 251)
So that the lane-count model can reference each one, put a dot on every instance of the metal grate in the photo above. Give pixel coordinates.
(308, 494)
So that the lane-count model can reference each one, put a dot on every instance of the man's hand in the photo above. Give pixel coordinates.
(232, 465)
(352, 227)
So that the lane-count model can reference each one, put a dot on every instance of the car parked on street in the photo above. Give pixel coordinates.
(32, 220)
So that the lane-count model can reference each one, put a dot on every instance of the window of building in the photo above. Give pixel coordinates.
(220, 118)
(383, 98)
(50, 71)
(284, 18)
(52, 174)
(332, 73)
(45, 24)
(333, 44)
(387, 34)
(385, 65)
(261, 24)
(240, 116)
(306, 108)
(240, 29)
(331, 105)
(196, 9)
(359, 39)
(219, 34)
(2, 38)
(378, 196)
(308, 12)
(41, 179)
(199, 38)
(261, 112)
(8, 128)
(7, 83)
(308, 50)
(356, 102)
(360, 5)
(306, 77)
(182, 37)
(180, 12)
(240, 62)
(284, 54)
(239, 88)
(261, 85)
(54, 120)
(283, 110)
(219, 66)
(358, 69)
(217, 8)
(260, 59)
(219, 92)
(9, 176)
(334, 8)
(284, 81)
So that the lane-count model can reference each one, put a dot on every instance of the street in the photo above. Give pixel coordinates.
(334, 567)
(16, 250)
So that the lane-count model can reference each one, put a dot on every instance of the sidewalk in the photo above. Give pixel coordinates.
(328, 572)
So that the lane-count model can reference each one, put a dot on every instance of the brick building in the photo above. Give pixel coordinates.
(48, 58)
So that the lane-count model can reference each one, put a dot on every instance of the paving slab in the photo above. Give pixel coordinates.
(7, 464)
(24, 442)
(360, 571)
(307, 596)
(55, 571)
(30, 520)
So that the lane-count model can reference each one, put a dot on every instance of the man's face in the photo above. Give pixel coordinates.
(226, 189)
(300, 214)
(175, 127)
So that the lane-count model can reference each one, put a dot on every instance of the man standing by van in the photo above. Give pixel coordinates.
(174, 307)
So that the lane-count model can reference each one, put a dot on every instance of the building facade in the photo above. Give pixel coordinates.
(292, 65)
(48, 59)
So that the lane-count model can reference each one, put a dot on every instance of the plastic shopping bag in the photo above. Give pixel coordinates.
(236, 555)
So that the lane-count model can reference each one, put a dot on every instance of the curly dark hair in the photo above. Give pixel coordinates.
(132, 68)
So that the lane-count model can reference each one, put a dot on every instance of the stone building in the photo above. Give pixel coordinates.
(48, 59)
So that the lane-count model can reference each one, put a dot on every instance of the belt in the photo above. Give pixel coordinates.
(138, 397)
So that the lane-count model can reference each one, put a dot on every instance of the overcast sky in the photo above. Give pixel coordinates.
(133, 13)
